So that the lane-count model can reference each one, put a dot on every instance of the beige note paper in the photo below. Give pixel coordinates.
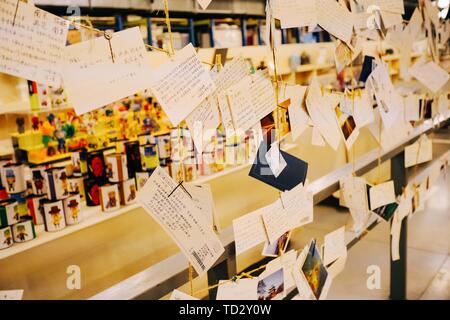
(293, 210)
(419, 152)
(251, 99)
(298, 117)
(294, 13)
(181, 84)
(249, 230)
(430, 74)
(93, 79)
(381, 195)
(335, 19)
(334, 246)
(31, 45)
(179, 216)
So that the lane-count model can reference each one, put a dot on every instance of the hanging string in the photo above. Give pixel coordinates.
(98, 31)
(169, 26)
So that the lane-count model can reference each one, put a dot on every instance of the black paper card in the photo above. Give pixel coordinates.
(294, 173)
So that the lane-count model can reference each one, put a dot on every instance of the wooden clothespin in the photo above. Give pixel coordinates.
(108, 34)
(219, 62)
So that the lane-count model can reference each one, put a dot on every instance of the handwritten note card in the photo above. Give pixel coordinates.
(299, 119)
(389, 101)
(293, 210)
(203, 122)
(251, 99)
(335, 19)
(93, 80)
(31, 43)
(430, 74)
(249, 230)
(321, 110)
(382, 194)
(176, 212)
(294, 13)
(181, 84)
(334, 246)
(419, 152)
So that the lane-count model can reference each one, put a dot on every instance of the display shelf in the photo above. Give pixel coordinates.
(28, 111)
(92, 216)
(161, 278)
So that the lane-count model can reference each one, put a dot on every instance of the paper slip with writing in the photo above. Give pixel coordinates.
(382, 194)
(31, 43)
(204, 3)
(419, 152)
(293, 210)
(321, 111)
(275, 160)
(294, 13)
(334, 246)
(233, 72)
(181, 219)
(430, 74)
(251, 99)
(389, 101)
(93, 80)
(394, 6)
(249, 230)
(202, 196)
(11, 295)
(363, 113)
(242, 289)
(178, 295)
(287, 262)
(203, 122)
(181, 84)
(354, 192)
(335, 19)
(298, 117)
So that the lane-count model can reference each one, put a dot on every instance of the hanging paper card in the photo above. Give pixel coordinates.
(181, 84)
(251, 99)
(294, 13)
(32, 42)
(171, 206)
(108, 70)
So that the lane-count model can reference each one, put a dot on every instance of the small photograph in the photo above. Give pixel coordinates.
(314, 270)
(386, 212)
(277, 248)
(347, 125)
(272, 286)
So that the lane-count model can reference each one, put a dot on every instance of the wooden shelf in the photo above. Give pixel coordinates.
(92, 216)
